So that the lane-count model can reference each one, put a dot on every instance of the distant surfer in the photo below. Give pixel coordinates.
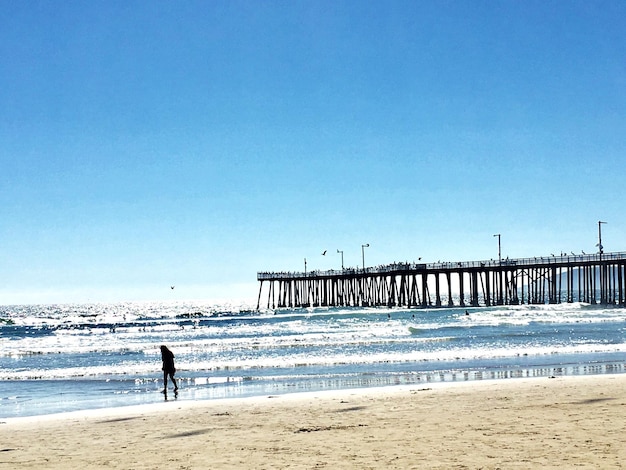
(168, 368)
(466, 312)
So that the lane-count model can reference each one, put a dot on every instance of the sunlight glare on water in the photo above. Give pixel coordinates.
(104, 354)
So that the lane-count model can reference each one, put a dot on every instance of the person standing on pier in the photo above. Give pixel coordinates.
(167, 357)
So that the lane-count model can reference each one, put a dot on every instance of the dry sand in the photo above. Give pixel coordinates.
(568, 422)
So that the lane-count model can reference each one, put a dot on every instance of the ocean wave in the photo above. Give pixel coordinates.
(253, 365)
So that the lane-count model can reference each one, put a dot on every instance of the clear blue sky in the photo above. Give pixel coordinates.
(148, 144)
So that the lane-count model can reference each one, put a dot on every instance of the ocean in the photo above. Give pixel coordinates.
(59, 358)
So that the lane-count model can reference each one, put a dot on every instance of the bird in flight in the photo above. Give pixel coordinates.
(324, 254)
(172, 287)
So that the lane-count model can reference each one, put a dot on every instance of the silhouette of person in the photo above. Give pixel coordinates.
(168, 368)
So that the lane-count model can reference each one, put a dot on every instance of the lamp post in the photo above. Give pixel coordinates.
(499, 248)
(603, 272)
(304, 267)
(341, 251)
(363, 253)
(600, 247)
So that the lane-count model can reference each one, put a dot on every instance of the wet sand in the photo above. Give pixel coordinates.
(563, 422)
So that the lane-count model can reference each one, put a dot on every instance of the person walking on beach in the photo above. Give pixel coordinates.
(168, 368)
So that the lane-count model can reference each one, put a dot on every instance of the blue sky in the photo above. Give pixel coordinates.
(149, 144)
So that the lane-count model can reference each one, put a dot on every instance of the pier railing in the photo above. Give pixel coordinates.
(558, 260)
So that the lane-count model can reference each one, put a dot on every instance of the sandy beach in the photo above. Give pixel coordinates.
(563, 422)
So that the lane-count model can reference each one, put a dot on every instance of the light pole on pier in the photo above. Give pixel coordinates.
(304, 267)
(600, 247)
(363, 253)
(499, 248)
(341, 251)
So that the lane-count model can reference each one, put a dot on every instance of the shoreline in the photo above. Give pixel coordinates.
(521, 423)
(154, 400)
(189, 403)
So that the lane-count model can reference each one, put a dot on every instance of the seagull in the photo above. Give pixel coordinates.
(324, 254)
(172, 287)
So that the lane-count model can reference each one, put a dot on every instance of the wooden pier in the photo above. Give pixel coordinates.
(594, 279)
